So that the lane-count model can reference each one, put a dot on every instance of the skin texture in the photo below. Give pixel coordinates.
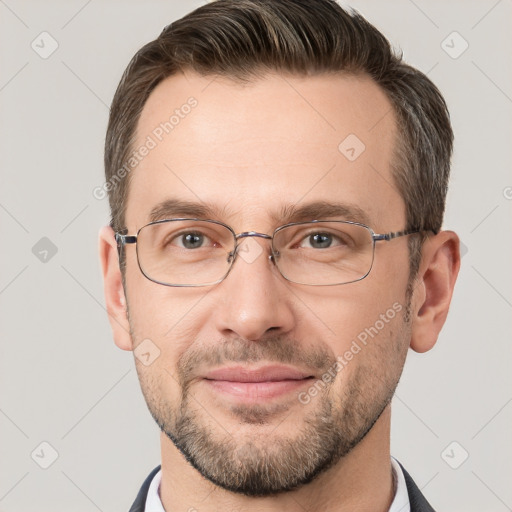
(249, 150)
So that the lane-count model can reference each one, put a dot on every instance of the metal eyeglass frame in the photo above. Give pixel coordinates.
(123, 239)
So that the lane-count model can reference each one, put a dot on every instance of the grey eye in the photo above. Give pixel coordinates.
(192, 240)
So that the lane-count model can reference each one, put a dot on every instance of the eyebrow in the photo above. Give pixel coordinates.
(315, 210)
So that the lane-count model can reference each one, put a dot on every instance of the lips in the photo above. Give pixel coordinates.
(272, 373)
(254, 385)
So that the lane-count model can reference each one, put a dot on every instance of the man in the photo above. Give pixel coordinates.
(277, 180)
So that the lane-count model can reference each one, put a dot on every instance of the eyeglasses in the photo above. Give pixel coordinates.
(196, 252)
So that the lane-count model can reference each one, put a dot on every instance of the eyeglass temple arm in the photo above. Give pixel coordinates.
(124, 239)
(396, 234)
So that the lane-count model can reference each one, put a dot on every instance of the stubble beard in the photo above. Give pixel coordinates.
(277, 462)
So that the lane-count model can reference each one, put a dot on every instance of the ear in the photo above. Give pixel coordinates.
(115, 299)
(433, 288)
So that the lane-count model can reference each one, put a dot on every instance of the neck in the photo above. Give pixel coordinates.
(362, 480)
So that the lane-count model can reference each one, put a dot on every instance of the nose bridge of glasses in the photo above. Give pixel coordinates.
(248, 234)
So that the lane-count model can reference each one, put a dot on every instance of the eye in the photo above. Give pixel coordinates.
(190, 240)
(321, 240)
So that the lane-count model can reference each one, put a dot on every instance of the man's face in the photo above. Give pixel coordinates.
(249, 152)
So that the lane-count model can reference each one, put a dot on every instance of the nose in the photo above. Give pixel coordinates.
(254, 299)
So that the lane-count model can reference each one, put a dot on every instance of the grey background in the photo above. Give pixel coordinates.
(64, 382)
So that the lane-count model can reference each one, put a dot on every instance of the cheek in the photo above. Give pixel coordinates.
(361, 332)
(164, 322)
(159, 386)
(372, 350)
(362, 323)
(160, 312)
(342, 314)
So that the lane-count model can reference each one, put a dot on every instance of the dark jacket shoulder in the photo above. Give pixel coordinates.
(140, 501)
(416, 499)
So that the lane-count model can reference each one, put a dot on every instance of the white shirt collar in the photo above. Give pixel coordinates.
(400, 502)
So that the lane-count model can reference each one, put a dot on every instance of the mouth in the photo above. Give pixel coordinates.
(252, 385)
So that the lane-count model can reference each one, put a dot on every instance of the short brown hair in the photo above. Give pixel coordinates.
(244, 39)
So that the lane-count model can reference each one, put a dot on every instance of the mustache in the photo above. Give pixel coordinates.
(274, 350)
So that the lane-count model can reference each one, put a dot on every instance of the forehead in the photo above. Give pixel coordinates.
(255, 150)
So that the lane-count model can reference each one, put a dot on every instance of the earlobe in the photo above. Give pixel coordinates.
(433, 290)
(115, 299)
